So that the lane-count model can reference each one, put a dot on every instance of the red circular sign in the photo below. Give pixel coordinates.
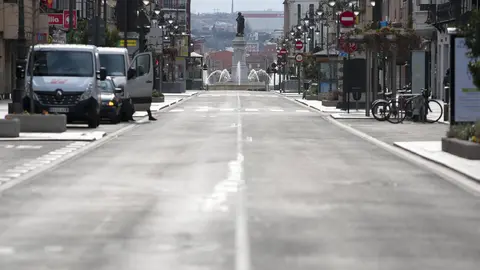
(283, 51)
(298, 45)
(347, 18)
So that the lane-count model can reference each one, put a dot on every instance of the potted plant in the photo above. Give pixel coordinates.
(40, 122)
(463, 141)
(157, 96)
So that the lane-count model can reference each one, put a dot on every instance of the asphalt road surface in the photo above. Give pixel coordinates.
(240, 181)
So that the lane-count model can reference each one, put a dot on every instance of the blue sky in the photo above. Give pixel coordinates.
(208, 6)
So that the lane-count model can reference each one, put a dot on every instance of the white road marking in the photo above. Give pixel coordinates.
(302, 111)
(12, 175)
(4, 179)
(7, 250)
(242, 250)
(251, 110)
(177, 110)
(29, 146)
(227, 109)
(17, 170)
(9, 146)
(53, 249)
(249, 139)
(276, 110)
(201, 110)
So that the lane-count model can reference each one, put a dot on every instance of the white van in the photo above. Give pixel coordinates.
(65, 81)
(136, 78)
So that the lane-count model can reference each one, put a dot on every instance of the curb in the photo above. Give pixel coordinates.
(473, 178)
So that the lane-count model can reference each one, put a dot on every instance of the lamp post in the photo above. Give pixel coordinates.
(17, 93)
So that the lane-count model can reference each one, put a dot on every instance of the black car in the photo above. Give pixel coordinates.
(111, 101)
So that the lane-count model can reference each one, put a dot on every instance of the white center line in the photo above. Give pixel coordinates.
(177, 110)
(6, 250)
(242, 250)
(251, 110)
(227, 109)
(276, 110)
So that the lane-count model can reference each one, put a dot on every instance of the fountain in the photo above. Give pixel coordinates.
(253, 76)
(239, 79)
(223, 76)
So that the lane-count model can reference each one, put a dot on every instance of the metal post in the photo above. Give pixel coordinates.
(369, 81)
(71, 4)
(98, 17)
(125, 32)
(299, 72)
(105, 12)
(17, 106)
(32, 54)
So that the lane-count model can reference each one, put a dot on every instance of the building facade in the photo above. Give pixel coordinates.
(36, 31)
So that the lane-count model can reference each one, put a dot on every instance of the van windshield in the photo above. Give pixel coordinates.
(114, 63)
(62, 63)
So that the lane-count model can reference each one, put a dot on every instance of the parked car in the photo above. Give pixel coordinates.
(111, 96)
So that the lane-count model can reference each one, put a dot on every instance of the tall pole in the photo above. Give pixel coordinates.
(17, 106)
(105, 12)
(71, 4)
(98, 17)
(125, 31)
(32, 54)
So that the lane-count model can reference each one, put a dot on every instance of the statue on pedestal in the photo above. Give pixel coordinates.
(240, 25)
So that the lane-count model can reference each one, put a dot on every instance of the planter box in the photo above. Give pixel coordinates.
(158, 99)
(51, 123)
(311, 97)
(329, 103)
(9, 128)
(461, 148)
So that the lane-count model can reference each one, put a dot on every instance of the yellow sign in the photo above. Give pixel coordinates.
(130, 43)
(50, 39)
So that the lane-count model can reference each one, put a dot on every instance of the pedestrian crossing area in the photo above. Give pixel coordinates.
(237, 94)
(244, 110)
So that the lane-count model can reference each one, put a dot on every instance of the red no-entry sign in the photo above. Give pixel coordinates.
(347, 18)
(298, 45)
(283, 51)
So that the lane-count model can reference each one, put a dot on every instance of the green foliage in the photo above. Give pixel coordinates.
(465, 132)
(471, 31)
(80, 35)
(155, 93)
(112, 37)
(309, 67)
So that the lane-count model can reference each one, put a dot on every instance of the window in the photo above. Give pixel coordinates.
(142, 65)
(62, 63)
(114, 63)
(106, 86)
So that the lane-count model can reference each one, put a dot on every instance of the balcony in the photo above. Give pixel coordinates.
(419, 24)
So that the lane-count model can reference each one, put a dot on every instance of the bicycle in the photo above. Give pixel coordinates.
(381, 108)
(404, 106)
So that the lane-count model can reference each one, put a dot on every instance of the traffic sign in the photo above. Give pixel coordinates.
(66, 18)
(299, 57)
(347, 46)
(283, 51)
(347, 18)
(298, 45)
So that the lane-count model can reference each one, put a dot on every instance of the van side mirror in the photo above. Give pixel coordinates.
(118, 90)
(103, 74)
(131, 73)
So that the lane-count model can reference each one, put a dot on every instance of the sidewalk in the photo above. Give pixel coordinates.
(432, 151)
(335, 113)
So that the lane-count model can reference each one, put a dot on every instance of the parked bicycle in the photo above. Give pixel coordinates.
(381, 107)
(429, 110)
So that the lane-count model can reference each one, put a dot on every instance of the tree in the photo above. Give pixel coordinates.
(80, 35)
(111, 37)
(471, 31)
(310, 67)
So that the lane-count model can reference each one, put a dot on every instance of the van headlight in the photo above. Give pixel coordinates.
(88, 92)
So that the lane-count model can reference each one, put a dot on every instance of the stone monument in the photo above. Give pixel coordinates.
(239, 44)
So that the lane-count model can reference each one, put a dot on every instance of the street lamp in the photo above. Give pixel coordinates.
(156, 10)
(146, 2)
(372, 3)
(170, 20)
(331, 3)
(306, 20)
